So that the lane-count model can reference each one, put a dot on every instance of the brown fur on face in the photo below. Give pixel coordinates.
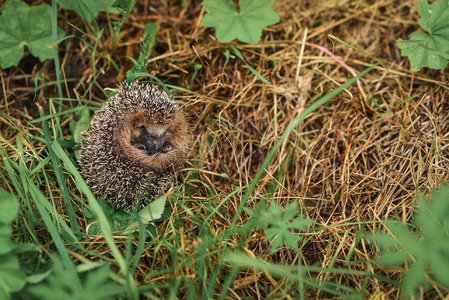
(175, 129)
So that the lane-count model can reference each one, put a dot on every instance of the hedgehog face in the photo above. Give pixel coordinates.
(155, 144)
(151, 140)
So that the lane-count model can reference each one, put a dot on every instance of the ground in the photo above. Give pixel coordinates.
(352, 163)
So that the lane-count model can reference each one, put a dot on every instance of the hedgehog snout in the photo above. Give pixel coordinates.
(153, 145)
(156, 146)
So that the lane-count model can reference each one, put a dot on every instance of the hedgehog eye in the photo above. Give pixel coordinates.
(141, 147)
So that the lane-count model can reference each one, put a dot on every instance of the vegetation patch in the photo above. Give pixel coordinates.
(319, 163)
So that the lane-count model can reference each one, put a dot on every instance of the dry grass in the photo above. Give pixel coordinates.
(347, 164)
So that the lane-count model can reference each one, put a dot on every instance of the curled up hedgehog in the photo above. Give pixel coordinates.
(136, 143)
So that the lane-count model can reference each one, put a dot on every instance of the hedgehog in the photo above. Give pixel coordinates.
(136, 143)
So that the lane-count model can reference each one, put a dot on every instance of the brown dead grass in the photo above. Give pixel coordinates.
(346, 163)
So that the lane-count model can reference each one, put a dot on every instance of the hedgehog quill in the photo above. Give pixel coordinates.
(136, 143)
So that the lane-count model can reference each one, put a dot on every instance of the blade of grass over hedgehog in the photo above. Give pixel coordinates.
(104, 223)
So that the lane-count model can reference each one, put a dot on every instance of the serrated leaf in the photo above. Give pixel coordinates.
(279, 225)
(301, 223)
(245, 25)
(425, 249)
(394, 258)
(61, 284)
(429, 50)
(148, 39)
(385, 240)
(415, 277)
(440, 266)
(291, 209)
(124, 7)
(21, 25)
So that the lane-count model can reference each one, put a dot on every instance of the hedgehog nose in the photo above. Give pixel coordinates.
(156, 146)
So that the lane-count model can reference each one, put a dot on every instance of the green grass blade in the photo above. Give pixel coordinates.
(239, 55)
(66, 112)
(140, 246)
(54, 31)
(60, 177)
(41, 202)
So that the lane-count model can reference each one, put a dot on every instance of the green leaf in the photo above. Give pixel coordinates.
(12, 279)
(426, 249)
(60, 283)
(279, 225)
(151, 212)
(6, 244)
(124, 7)
(88, 9)
(245, 25)
(38, 277)
(122, 220)
(21, 25)
(9, 207)
(415, 277)
(429, 50)
(148, 38)
(257, 215)
(82, 124)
